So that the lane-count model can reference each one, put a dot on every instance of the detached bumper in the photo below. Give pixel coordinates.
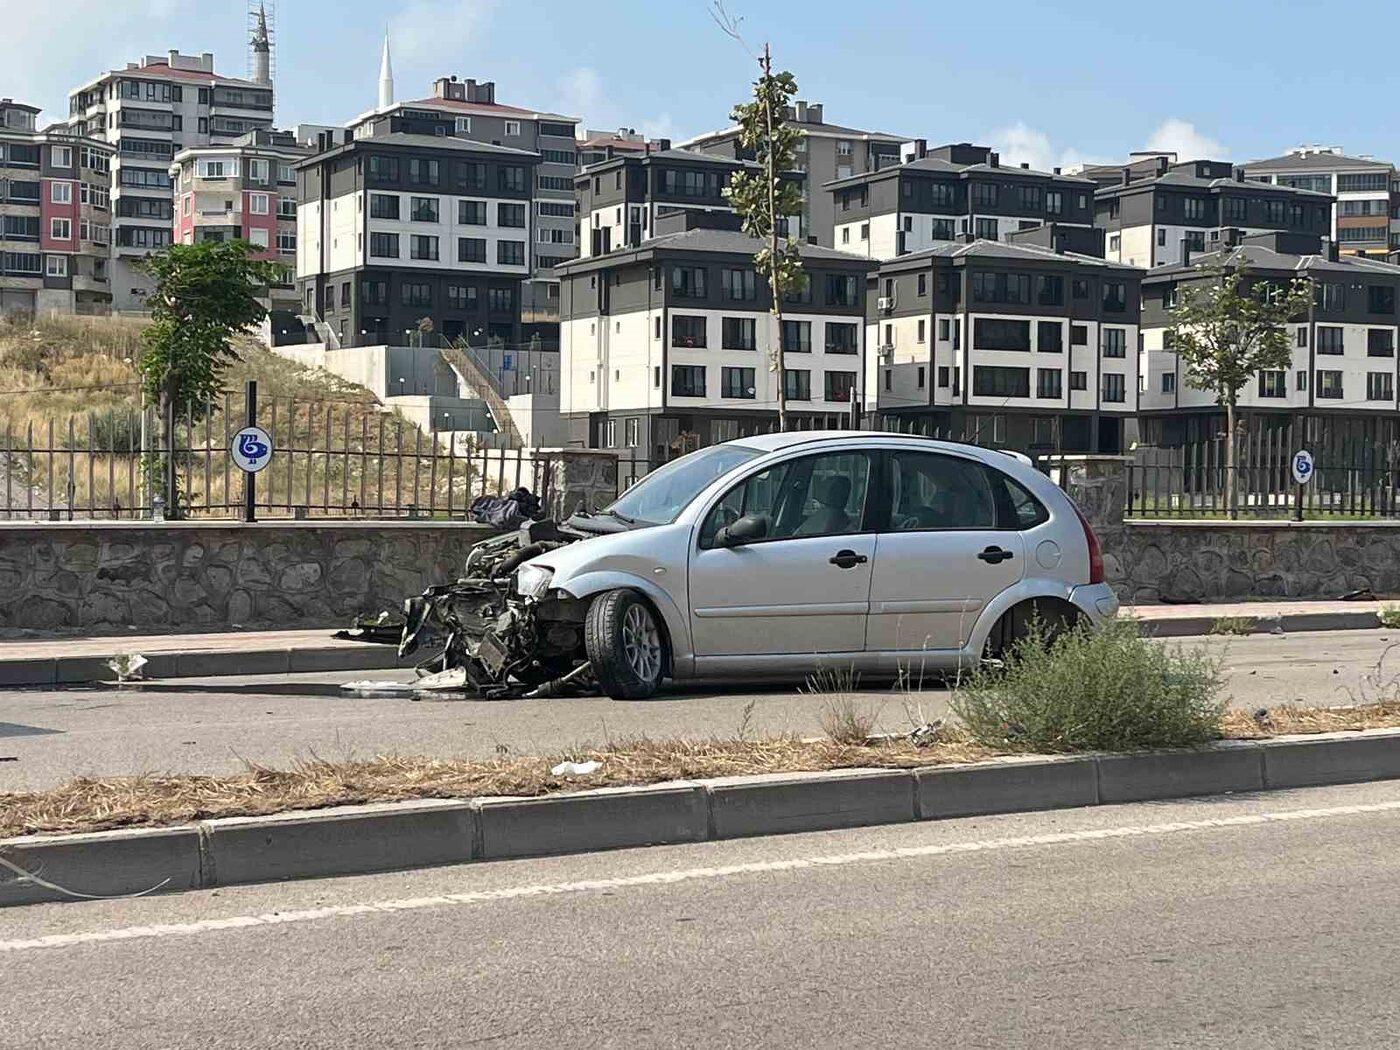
(1097, 601)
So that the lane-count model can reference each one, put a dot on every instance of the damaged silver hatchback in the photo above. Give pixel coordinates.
(769, 557)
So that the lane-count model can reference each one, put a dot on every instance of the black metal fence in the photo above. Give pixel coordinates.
(331, 460)
(1351, 478)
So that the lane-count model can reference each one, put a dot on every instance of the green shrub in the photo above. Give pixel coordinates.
(1390, 616)
(1104, 690)
(1233, 625)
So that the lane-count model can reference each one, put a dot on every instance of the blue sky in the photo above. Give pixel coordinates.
(1050, 82)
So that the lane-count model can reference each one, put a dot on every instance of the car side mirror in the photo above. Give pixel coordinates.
(747, 529)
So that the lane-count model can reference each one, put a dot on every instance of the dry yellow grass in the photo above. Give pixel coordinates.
(92, 804)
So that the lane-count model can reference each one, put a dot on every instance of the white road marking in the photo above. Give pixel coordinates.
(663, 878)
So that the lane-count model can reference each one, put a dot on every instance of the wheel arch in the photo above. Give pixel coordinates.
(675, 629)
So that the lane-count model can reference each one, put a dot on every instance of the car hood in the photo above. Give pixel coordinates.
(633, 550)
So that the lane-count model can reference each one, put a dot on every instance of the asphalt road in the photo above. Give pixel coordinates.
(218, 724)
(1241, 923)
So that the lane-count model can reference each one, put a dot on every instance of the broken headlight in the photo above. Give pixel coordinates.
(531, 581)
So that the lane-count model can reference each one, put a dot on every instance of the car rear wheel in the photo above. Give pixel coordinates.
(624, 644)
(1055, 617)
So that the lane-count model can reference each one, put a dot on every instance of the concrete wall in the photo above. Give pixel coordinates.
(192, 576)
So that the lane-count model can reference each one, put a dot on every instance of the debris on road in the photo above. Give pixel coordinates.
(127, 666)
(578, 769)
(928, 734)
(372, 688)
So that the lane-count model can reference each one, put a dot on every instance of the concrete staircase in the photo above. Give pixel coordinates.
(479, 381)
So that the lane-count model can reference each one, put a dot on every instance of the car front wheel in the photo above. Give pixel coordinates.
(623, 642)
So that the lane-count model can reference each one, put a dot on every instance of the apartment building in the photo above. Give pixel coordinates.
(1158, 219)
(246, 190)
(1344, 358)
(1029, 343)
(594, 146)
(55, 217)
(474, 114)
(149, 112)
(405, 229)
(665, 346)
(950, 192)
(1366, 209)
(621, 197)
(825, 153)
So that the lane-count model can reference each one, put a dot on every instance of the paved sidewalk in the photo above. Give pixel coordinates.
(59, 661)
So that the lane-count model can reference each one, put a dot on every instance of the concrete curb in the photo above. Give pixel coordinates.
(86, 670)
(353, 840)
(1275, 623)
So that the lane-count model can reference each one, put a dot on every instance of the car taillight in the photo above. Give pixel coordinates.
(1095, 551)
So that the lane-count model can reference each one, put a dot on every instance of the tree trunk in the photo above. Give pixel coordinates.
(771, 174)
(1232, 506)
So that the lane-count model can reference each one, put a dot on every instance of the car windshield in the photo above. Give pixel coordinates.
(660, 496)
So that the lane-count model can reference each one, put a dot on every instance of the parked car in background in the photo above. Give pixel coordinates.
(778, 554)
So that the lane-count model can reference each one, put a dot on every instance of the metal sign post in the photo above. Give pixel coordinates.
(1303, 469)
(251, 452)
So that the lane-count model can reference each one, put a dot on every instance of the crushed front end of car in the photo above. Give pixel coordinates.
(499, 631)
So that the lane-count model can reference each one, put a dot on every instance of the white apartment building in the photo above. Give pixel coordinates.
(1366, 213)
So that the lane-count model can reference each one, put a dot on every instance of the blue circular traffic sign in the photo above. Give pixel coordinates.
(1302, 466)
(252, 449)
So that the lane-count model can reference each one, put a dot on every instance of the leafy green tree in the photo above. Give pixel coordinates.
(1226, 329)
(763, 199)
(204, 294)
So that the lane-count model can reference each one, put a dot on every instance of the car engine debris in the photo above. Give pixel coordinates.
(490, 637)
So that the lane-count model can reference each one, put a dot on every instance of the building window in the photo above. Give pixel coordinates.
(383, 206)
(56, 266)
(1079, 380)
(1168, 382)
(1050, 291)
(688, 331)
(985, 229)
(921, 332)
(738, 333)
(632, 429)
(60, 229)
(510, 253)
(500, 300)
(471, 249)
(257, 203)
(286, 242)
(1194, 209)
(1001, 288)
(842, 290)
(797, 337)
(259, 238)
(838, 386)
(511, 179)
(1054, 202)
(1381, 298)
(865, 231)
(1329, 339)
(1380, 386)
(411, 294)
(1273, 383)
(688, 380)
(513, 129)
(1115, 297)
(991, 333)
(997, 381)
(1078, 335)
(845, 235)
(1115, 342)
(797, 384)
(1300, 379)
(943, 327)
(738, 285)
(942, 377)
(384, 245)
(984, 194)
(471, 213)
(423, 209)
(1048, 383)
(423, 247)
(423, 171)
(1050, 337)
(61, 192)
(1380, 342)
(943, 230)
(841, 337)
(688, 282)
(1329, 385)
(923, 375)
(384, 169)
(461, 297)
(923, 284)
(737, 383)
(61, 156)
(1115, 390)
(1301, 337)
(511, 216)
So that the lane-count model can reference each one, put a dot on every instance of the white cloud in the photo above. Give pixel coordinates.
(582, 94)
(427, 31)
(1020, 144)
(1181, 137)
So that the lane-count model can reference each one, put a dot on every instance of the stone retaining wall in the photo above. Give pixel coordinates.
(192, 576)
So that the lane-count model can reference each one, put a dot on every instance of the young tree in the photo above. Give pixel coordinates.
(1226, 329)
(204, 294)
(764, 199)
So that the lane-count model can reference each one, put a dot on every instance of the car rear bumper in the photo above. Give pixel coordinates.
(1097, 601)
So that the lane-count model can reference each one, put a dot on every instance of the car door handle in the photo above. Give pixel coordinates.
(994, 555)
(848, 559)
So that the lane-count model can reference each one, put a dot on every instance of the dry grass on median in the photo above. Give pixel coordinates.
(91, 804)
(88, 804)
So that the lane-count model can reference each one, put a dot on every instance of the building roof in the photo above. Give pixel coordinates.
(1259, 257)
(160, 70)
(675, 155)
(811, 128)
(1181, 180)
(615, 141)
(946, 167)
(463, 106)
(1316, 161)
(982, 249)
(409, 140)
(716, 242)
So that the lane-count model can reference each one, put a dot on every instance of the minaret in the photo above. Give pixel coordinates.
(386, 77)
(262, 50)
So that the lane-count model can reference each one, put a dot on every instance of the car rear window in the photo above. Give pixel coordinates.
(1026, 511)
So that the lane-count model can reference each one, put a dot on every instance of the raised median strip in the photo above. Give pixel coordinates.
(350, 840)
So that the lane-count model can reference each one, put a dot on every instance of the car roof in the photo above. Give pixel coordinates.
(802, 438)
